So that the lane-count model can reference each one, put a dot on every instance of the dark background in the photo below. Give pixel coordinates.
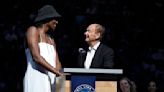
(133, 29)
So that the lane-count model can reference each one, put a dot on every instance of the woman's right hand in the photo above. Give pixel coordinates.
(59, 73)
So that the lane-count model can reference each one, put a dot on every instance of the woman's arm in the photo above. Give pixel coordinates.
(58, 63)
(32, 41)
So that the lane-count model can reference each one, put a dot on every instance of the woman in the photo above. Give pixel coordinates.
(42, 59)
(125, 85)
(152, 87)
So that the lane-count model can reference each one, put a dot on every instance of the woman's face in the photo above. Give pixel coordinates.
(52, 24)
(152, 86)
(124, 85)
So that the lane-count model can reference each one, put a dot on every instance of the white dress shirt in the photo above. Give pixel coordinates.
(90, 55)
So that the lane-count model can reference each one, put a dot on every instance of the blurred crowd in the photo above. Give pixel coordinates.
(133, 30)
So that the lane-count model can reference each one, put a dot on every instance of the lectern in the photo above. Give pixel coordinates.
(91, 80)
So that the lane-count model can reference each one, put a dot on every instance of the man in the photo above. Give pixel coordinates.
(98, 55)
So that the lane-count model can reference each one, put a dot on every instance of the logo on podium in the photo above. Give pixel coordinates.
(84, 88)
(83, 83)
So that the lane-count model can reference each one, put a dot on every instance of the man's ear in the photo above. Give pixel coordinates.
(98, 36)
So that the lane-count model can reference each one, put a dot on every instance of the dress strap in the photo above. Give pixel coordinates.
(40, 38)
(50, 39)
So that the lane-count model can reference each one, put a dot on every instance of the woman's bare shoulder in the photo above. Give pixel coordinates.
(32, 30)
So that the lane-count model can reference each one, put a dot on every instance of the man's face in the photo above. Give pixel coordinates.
(91, 33)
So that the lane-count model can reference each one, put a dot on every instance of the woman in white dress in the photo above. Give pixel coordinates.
(43, 64)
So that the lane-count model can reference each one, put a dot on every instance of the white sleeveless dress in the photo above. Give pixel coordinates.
(37, 78)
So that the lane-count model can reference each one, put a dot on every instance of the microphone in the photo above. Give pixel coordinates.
(81, 50)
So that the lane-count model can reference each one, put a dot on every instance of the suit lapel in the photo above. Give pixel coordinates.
(96, 57)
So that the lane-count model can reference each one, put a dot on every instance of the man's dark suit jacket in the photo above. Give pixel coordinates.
(103, 58)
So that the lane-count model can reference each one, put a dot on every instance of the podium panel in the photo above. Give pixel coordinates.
(103, 81)
(105, 86)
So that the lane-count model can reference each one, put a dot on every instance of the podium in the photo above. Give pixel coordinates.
(91, 80)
